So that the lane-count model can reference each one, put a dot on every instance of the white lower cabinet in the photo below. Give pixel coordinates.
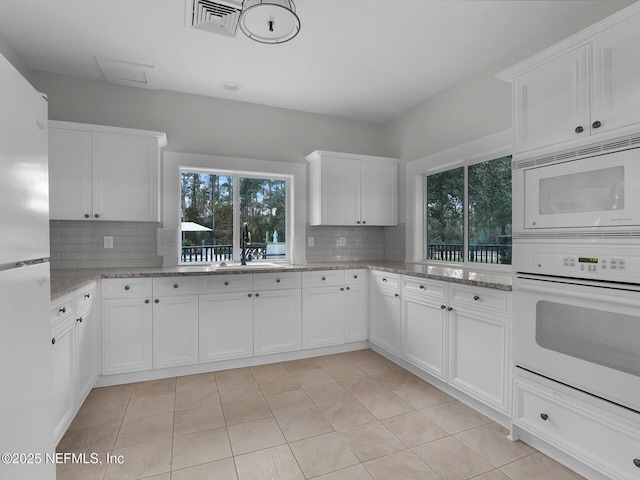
(385, 311)
(277, 323)
(356, 306)
(226, 325)
(65, 376)
(323, 316)
(175, 330)
(87, 341)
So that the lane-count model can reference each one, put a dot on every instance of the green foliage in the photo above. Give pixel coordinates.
(445, 197)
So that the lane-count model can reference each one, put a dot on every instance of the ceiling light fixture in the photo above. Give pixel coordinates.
(269, 21)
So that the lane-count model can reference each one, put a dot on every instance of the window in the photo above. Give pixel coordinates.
(214, 206)
(468, 213)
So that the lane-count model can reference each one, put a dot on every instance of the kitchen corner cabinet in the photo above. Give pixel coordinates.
(384, 308)
(346, 189)
(582, 87)
(65, 376)
(104, 173)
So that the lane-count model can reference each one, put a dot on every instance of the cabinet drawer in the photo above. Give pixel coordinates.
(479, 298)
(126, 287)
(62, 309)
(383, 279)
(86, 297)
(322, 278)
(355, 277)
(226, 282)
(596, 437)
(425, 287)
(269, 281)
(174, 285)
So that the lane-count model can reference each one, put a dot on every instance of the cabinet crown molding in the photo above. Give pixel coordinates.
(317, 154)
(583, 37)
(161, 136)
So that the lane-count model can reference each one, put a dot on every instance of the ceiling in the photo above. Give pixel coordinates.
(370, 60)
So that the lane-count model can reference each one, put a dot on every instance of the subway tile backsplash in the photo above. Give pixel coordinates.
(79, 244)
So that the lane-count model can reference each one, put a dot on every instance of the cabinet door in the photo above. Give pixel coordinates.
(86, 335)
(378, 193)
(340, 191)
(125, 173)
(126, 335)
(479, 362)
(226, 326)
(175, 330)
(64, 377)
(70, 174)
(552, 101)
(385, 319)
(424, 334)
(615, 96)
(323, 316)
(277, 321)
(356, 312)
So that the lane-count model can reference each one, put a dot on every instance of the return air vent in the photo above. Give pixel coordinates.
(573, 154)
(220, 16)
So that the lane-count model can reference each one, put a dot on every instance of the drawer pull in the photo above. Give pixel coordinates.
(127, 287)
(348, 288)
(384, 279)
(355, 276)
(476, 298)
(324, 278)
(443, 307)
(397, 295)
(421, 287)
(87, 295)
(53, 341)
(249, 295)
(257, 294)
(63, 310)
(636, 462)
(157, 301)
(544, 416)
(226, 283)
(342, 289)
(449, 309)
(146, 301)
(277, 280)
(175, 285)
(79, 320)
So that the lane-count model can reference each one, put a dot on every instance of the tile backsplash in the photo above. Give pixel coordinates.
(80, 244)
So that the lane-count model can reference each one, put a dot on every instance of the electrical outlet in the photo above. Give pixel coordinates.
(343, 242)
(108, 242)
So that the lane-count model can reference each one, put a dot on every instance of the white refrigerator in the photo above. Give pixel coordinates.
(26, 414)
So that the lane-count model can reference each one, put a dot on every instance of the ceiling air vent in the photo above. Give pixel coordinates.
(220, 16)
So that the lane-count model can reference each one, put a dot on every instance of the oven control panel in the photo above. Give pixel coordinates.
(593, 264)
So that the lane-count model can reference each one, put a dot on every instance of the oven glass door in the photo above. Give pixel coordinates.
(602, 191)
(585, 336)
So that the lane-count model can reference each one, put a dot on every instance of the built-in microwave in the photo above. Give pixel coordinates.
(597, 194)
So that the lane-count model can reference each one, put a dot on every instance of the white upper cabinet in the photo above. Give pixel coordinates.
(346, 189)
(581, 90)
(104, 173)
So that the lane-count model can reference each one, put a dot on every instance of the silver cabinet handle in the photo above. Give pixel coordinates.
(86, 215)
(348, 288)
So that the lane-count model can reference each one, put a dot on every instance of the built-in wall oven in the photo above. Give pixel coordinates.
(576, 254)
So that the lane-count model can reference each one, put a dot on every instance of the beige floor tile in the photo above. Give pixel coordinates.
(303, 424)
(327, 394)
(269, 386)
(493, 445)
(451, 417)
(246, 410)
(301, 364)
(256, 435)
(238, 391)
(361, 387)
(361, 355)
(316, 376)
(370, 441)
(345, 371)
(236, 375)
(224, 469)
(81, 471)
(277, 463)
(270, 371)
(357, 472)
(537, 467)
(398, 379)
(198, 419)
(99, 411)
(151, 405)
(288, 402)
(323, 454)
(154, 387)
(492, 475)
(198, 380)
(135, 431)
(94, 438)
(330, 359)
(414, 429)
(140, 461)
(115, 394)
(162, 476)
(422, 396)
(451, 460)
(377, 365)
(200, 447)
(400, 466)
(347, 414)
(197, 397)
(385, 405)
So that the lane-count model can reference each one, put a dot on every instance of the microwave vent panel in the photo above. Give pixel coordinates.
(219, 16)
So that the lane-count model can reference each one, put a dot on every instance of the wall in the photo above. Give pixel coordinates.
(360, 243)
(10, 54)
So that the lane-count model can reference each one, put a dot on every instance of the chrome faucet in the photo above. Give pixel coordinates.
(244, 241)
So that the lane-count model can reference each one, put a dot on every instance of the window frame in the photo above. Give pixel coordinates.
(237, 175)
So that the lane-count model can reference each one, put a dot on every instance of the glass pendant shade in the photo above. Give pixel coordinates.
(269, 21)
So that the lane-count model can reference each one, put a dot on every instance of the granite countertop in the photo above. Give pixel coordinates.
(66, 281)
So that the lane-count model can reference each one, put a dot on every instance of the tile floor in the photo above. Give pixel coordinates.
(350, 416)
